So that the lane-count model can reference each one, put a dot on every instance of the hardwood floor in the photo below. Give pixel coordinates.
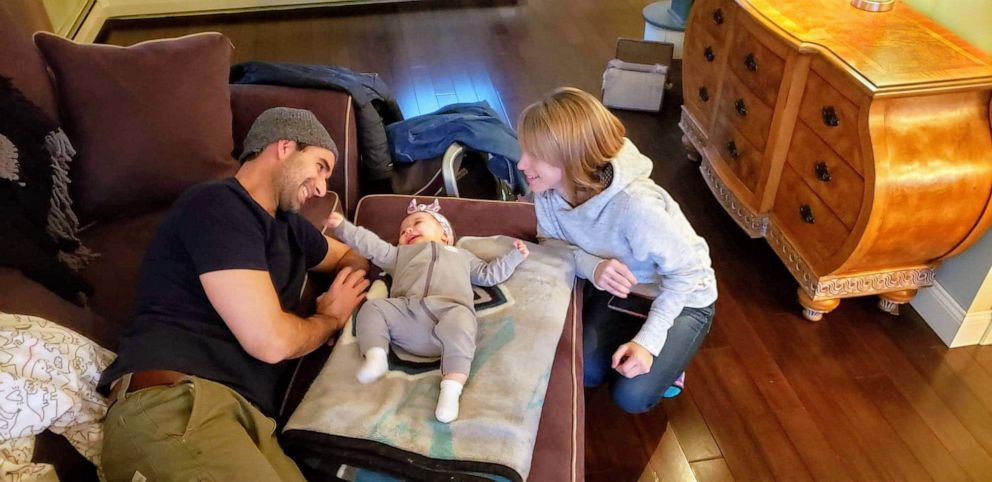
(859, 396)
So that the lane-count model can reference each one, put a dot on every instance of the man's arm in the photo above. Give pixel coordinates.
(247, 302)
(338, 256)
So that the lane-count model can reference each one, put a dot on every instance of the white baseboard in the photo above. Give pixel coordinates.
(105, 10)
(950, 321)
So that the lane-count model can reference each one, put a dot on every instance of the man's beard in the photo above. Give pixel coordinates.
(290, 203)
(289, 192)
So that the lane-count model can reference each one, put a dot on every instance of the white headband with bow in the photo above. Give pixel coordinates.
(434, 209)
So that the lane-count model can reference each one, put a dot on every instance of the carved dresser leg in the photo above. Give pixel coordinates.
(690, 149)
(813, 310)
(889, 302)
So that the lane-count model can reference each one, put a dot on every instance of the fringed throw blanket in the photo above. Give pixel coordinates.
(387, 428)
(38, 228)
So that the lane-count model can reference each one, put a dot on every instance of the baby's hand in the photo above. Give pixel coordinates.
(334, 220)
(522, 247)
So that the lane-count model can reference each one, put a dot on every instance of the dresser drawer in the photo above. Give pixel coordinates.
(702, 60)
(833, 180)
(758, 67)
(716, 16)
(738, 154)
(704, 54)
(833, 118)
(817, 232)
(746, 113)
(700, 98)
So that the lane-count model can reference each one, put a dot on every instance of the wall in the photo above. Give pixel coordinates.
(960, 308)
(66, 14)
(971, 19)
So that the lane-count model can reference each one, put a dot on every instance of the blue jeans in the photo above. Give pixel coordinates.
(604, 330)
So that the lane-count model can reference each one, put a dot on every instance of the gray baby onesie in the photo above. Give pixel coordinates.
(430, 311)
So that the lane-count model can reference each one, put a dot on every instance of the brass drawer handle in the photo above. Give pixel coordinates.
(718, 16)
(740, 107)
(822, 172)
(708, 53)
(830, 116)
(750, 63)
(732, 149)
(806, 213)
(704, 94)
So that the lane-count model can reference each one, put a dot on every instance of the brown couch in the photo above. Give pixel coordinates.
(122, 242)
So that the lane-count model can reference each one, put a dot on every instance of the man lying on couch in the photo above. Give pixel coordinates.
(193, 390)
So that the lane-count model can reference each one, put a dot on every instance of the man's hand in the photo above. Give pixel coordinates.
(344, 295)
(615, 277)
(334, 220)
(631, 360)
(522, 247)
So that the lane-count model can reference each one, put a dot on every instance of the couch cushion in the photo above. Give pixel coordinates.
(114, 274)
(21, 60)
(25, 297)
(147, 120)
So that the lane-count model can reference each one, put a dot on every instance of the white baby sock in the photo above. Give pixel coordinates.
(447, 402)
(376, 364)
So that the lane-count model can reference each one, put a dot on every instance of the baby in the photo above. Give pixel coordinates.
(430, 310)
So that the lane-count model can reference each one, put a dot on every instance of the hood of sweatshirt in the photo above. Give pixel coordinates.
(629, 167)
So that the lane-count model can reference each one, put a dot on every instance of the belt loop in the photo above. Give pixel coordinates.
(124, 382)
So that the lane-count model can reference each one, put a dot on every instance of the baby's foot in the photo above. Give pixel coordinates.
(375, 366)
(447, 402)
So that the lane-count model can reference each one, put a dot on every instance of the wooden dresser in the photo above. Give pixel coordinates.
(858, 144)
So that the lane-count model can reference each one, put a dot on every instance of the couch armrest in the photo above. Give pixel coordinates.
(334, 110)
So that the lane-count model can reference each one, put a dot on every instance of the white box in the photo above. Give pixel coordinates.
(637, 77)
(634, 86)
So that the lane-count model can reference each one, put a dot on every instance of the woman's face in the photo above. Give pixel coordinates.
(541, 175)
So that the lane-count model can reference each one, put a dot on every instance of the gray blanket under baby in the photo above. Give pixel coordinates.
(388, 427)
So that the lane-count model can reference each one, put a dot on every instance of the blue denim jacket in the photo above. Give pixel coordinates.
(476, 125)
(375, 105)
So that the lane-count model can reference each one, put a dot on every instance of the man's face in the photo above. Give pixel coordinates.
(421, 227)
(303, 175)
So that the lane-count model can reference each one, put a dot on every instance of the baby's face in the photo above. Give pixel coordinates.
(421, 227)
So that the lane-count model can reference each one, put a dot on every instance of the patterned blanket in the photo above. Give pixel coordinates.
(387, 429)
(48, 376)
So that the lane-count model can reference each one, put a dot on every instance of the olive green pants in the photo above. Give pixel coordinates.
(194, 430)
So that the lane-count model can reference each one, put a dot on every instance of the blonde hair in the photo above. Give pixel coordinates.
(572, 129)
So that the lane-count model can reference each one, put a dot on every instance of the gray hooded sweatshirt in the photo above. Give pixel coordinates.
(637, 222)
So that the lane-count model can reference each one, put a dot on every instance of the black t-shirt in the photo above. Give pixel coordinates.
(213, 226)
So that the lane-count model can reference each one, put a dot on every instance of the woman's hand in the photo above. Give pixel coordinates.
(615, 277)
(631, 360)
(334, 220)
(522, 247)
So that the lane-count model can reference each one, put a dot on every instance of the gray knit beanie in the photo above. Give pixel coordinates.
(280, 123)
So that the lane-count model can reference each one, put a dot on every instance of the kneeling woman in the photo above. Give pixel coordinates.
(593, 195)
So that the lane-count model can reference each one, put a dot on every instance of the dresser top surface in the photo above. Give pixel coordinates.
(894, 49)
